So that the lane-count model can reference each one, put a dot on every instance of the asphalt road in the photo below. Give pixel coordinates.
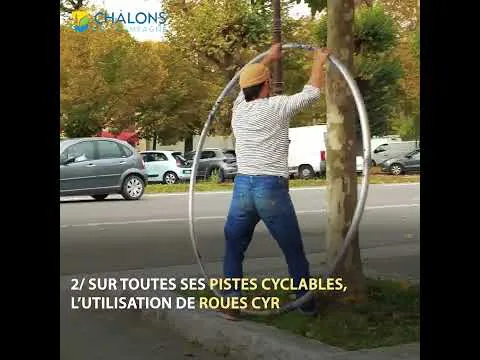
(115, 235)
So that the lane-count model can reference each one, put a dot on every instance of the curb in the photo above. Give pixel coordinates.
(245, 339)
(292, 189)
(253, 341)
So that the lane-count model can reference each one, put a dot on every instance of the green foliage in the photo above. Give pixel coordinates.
(98, 79)
(378, 82)
(375, 31)
(404, 12)
(415, 42)
(219, 32)
(80, 123)
(297, 67)
(406, 121)
(219, 37)
(314, 5)
(389, 316)
(407, 127)
(376, 71)
(321, 32)
(173, 112)
(108, 79)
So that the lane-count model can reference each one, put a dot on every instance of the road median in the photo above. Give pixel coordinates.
(206, 186)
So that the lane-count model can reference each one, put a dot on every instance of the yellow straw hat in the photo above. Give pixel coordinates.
(254, 74)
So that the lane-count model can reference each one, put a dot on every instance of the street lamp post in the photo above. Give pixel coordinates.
(277, 38)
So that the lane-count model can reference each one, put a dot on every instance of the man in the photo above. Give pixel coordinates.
(260, 124)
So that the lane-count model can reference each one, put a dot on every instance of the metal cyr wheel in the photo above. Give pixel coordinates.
(363, 190)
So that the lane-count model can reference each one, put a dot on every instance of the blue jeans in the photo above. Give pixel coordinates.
(263, 198)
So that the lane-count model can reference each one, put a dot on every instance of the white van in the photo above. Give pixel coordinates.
(392, 149)
(308, 152)
(376, 141)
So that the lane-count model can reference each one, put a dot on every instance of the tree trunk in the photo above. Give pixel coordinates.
(341, 174)
(277, 38)
(188, 143)
(154, 146)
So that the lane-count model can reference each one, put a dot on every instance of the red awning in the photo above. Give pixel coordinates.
(106, 134)
(128, 136)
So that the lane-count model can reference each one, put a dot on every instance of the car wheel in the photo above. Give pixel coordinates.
(100, 197)
(170, 178)
(306, 172)
(133, 187)
(396, 169)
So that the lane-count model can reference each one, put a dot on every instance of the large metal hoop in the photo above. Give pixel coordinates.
(363, 190)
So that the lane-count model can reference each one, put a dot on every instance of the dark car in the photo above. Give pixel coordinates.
(101, 166)
(215, 162)
(408, 163)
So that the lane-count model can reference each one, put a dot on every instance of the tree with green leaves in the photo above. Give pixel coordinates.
(377, 71)
(403, 12)
(218, 37)
(220, 34)
(406, 14)
(171, 112)
(105, 75)
(405, 121)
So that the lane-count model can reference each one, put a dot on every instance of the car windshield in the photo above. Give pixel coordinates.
(189, 156)
(416, 151)
(64, 143)
(230, 154)
(178, 156)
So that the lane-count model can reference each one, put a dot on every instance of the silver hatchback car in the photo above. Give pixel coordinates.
(101, 166)
(168, 167)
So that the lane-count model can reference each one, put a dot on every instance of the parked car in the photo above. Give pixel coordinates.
(222, 162)
(168, 167)
(392, 149)
(99, 167)
(403, 164)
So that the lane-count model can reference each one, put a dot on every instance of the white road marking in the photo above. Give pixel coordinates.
(318, 188)
(217, 217)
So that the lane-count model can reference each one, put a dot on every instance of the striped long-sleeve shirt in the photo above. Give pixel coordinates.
(261, 131)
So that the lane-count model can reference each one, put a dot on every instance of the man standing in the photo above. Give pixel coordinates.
(260, 123)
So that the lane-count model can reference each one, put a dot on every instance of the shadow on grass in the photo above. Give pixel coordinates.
(296, 183)
(390, 316)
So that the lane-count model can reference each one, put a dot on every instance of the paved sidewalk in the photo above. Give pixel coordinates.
(105, 335)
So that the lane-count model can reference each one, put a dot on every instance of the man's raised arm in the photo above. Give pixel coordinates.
(311, 92)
